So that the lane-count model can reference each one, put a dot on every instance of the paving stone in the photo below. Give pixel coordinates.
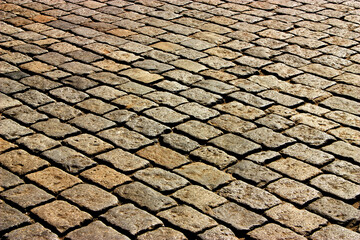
(335, 232)
(307, 154)
(54, 128)
(11, 217)
(25, 114)
(110, 65)
(10, 86)
(206, 175)
(34, 98)
(309, 135)
(336, 186)
(213, 156)
(120, 116)
(273, 231)
(53, 179)
(232, 124)
(53, 58)
(171, 86)
(33, 231)
(313, 109)
(163, 156)
(27, 195)
(88, 144)
(237, 216)
(345, 169)
(198, 111)
(135, 88)
(313, 121)
(131, 219)
(147, 126)
(108, 78)
(79, 83)
(125, 138)
(166, 98)
(160, 179)
(141, 75)
(105, 176)
(217, 87)
(162, 233)
(251, 196)
(166, 115)
(253, 172)
(280, 98)
(335, 210)
(8, 179)
(105, 92)
(218, 232)
(268, 137)
(198, 130)
(96, 106)
(96, 230)
(61, 215)
(69, 159)
(321, 70)
(69, 94)
(344, 149)
(264, 156)
(145, 196)
(187, 218)
(344, 118)
(183, 76)
(235, 144)
(134, 102)
(179, 142)
(60, 110)
(92, 123)
(300, 221)
(250, 99)
(275, 122)
(293, 191)
(188, 65)
(240, 110)
(123, 160)
(154, 66)
(21, 162)
(90, 197)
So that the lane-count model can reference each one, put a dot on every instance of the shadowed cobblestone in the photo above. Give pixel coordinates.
(180, 119)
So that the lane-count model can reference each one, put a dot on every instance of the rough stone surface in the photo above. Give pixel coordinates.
(33, 231)
(273, 231)
(11, 217)
(335, 232)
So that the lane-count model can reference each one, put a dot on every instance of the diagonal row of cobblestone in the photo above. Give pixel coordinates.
(179, 119)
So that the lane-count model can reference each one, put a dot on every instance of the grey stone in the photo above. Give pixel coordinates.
(108, 78)
(248, 98)
(187, 218)
(268, 138)
(309, 135)
(335, 210)
(34, 98)
(280, 98)
(238, 217)
(134, 102)
(344, 118)
(54, 128)
(183, 76)
(232, 124)
(343, 104)
(198, 130)
(235, 144)
(201, 96)
(179, 142)
(92, 123)
(344, 149)
(96, 230)
(8, 179)
(9, 86)
(197, 111)
(105, 92)
(336, 186)
(240, 110)
(8, 102)
(206, 175)
(69, 94)
(218, 232)
(79, 68)
(345, 169)
(251, 196)
(69, 159)
(11, 217)
(273, 231)
(95, 106)
(125, 138)
(147, 126)
(145, 196)
(264, 156)
(135, 88)
(275, 122)
(88, 144)
(25, 114)
(80, 83)
(166, 98)
(120, 116)
(333, 232)
(213, 156)
(60, 110)
(314, 121)
(253, 172)
(131, 219)
(162, 233)
(160, 179)
(33, 231)
(216, 87)
(293, 191)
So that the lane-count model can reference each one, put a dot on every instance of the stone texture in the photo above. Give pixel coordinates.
(273, 231)
(88, 144)
(162, 233)
(92, 123)
(131, 219)
(145, 196)
(198, 130)
(187, 218)
(179, 142)
(213, 156)
(235, 144)
(218, 232)
(8, 179)
(61, 215)
(11, 217)
(298, 220)
(309, 135)
(268, 138)
(33, 231)
(54, 128)
(10, 129)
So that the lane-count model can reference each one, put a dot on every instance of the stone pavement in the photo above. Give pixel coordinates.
(179, 119)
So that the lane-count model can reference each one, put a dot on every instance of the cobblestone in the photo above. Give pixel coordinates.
(12, 217)
(207, 119)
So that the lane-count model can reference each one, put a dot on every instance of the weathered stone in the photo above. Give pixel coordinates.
(216, 87)
(105, 176)
(335, 232)
(232, 124)
(309, 135)
(54, 128)
(300, 221)
(344, 118)
(96, 230)
(213, 156)
(125, 138)
(162, 233)
(197, 111)
(163, 156)
(160, 179)
(25, 114)
(342, 104)
(347, 134)
(106, 92)
(92, 123)
(218, 232)
(235, 144)
(179, 142)
(293, 191)
(294, 168)
(131, 219)
(123, 160)
(79, 68)
(134, 102)
(280, 98)
(199, 130)
(12, 130)
(145, 196)
(34, 231)
(96, 106)
(336, 186)
(240, 110)
(268, 137)
(147, 126)
(11, 217)
(345, 169)
(335, 210)
(208, 176)
(141, 75)
(135, 88)
(313, 121)
(88, 144)
(237, 216)
(90, 197)
(61, 215)
(69, 94)
(108, 78)
(69, 159)
(344, 149)
(187, 218)
(21, 162)
(183, 76)
(8, 179)
(120, 116)
(273, 231)
(8, 102)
